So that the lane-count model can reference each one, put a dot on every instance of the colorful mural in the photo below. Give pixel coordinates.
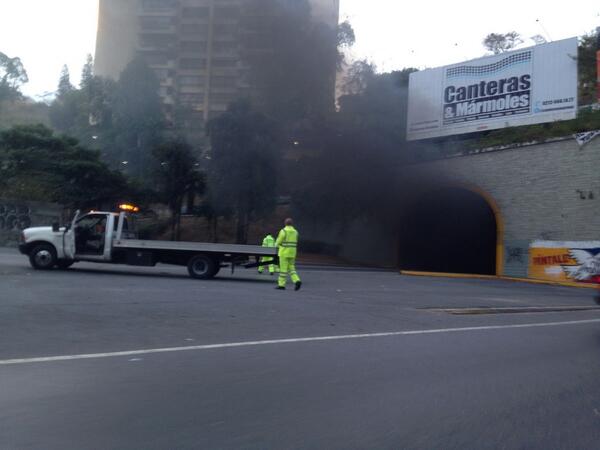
(565, 261)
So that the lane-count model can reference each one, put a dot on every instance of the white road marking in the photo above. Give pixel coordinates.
(47, 359)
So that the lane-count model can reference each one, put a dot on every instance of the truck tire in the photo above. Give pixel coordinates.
(202, 267)
(43, 257)
(64, 264)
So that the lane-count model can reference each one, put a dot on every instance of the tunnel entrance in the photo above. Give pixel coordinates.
(453, 230)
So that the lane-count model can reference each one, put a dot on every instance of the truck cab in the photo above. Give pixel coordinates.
(88, 237)
(92, 235)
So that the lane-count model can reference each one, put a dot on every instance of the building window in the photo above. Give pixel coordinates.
(225, 47)
(195, 12)
(258, 5)
(193, 63)
(191, 81)
(163, 91)
(191, 99)
(254, 23)
(162, 74)
(257, 41)
(223, 82)
(195, 29)
(158, 41)
(224, 62)
(222, 98)
(226, 12)
(155, 23)
(225, 28)
(156, 59)
(193, 46)
(158, 5)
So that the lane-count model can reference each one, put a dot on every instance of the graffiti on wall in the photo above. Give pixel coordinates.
(14, 216)
(565, 261)
(515, 255)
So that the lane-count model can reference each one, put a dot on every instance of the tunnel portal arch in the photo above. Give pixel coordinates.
(452, 229)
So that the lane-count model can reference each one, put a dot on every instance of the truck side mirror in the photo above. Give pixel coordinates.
(55, 227)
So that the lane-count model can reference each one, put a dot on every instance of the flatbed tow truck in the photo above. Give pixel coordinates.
(109, 237)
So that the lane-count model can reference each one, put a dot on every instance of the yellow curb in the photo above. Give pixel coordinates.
(514, 310)
(494, 277)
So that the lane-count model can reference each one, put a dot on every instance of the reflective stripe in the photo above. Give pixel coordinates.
(286, 243)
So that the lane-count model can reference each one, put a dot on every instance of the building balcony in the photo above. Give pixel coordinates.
(171, 30)
(224, 72)
(191, 89)
(195, 20)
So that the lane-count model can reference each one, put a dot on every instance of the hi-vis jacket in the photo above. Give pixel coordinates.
(287, 242)
(268, 241)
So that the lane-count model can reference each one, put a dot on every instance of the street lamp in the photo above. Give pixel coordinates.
(544, 29)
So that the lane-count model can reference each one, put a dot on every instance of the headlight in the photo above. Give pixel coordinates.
(22, 237)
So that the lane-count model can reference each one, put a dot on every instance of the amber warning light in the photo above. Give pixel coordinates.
(129, 208)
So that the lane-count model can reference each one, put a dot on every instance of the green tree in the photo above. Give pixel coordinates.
(36, 164)
(12, 76)
(69, 112)
(87, 73)
(137, 116)
(177, 177)
(64, 82)
(502, 42)
(586, 61)
(123, 120)
(99, 95)
(243, 166)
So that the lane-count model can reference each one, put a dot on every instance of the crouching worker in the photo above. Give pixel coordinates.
(268, 241)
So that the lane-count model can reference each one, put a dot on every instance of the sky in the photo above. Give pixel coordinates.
(46, 34)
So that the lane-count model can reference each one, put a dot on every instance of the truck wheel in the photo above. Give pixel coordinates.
(43, 257)
(202, 267)
(63, 264)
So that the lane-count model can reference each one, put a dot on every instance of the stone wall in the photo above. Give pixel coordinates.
(547, 191)
(16, 215)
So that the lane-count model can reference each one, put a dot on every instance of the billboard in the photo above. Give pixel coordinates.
(521, 87)
(565, 261)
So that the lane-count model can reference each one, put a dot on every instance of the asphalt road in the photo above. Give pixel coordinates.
(357, 359)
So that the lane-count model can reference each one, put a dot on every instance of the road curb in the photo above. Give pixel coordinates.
(494, 277)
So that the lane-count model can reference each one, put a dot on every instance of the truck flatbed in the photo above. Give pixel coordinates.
(196, 247)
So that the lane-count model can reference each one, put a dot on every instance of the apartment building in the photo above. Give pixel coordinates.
(193, 46)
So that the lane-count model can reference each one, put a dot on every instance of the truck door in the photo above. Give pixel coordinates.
(109, 235)
(92, 236)
(69, 238)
